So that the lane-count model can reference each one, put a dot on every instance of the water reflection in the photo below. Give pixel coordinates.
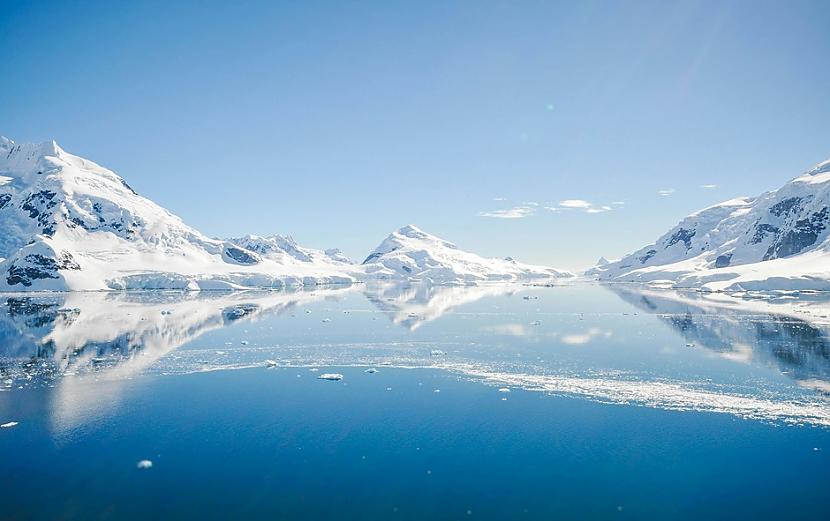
(413, 305)
(90, 346)
(790, 334)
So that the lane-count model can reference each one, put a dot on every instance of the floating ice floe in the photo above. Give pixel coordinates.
(144, 464)
(536, 323)
(244, 342)
(271, 363)
(326, 320)
(9, 425)
(504, 390)
(330, 376)
(371, 370)
(437, 352)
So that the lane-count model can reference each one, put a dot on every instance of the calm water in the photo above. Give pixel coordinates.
(507, 402)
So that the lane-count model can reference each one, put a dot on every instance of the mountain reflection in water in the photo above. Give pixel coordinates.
(90, 347)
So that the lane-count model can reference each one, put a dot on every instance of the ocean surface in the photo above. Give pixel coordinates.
(415, 402)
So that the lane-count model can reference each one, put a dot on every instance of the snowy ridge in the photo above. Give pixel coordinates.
(70, 224)
(409, 253)
(285, 248)
(776, 241)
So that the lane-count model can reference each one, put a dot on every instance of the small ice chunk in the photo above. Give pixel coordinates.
(437, 352)
(9, 425)
(330, 376)
(371, 370)
(244, 342)
(144, 464)
(504, 390)
(271, 363)
(221, 353)
(326, 320)
(436, 390)
(166, 312)
(536, 323)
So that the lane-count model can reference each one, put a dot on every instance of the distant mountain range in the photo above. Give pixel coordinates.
(776, 241)
(68, 224)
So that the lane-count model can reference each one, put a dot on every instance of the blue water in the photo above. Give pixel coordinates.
(623, 403)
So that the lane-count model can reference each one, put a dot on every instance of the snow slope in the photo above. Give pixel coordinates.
(70, 224)
(412, 254)
(776, 241)
(284, 248)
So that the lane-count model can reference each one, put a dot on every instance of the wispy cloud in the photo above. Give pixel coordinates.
(710, 187)
(518, 212)
(666, 192)
(579, 205)
(499, 198)
(575, 203)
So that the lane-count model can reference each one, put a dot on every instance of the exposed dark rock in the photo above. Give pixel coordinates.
(761, 232)
(723, 260)
(377, 255)
(4, 200)
(128, 187)
(786, 206)
(649, 254)
(40, 267)
(241, 256)
(38, 205)
(681, 235)
(803, 234)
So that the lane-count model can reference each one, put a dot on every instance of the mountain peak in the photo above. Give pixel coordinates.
(411, 253)
(410, 230)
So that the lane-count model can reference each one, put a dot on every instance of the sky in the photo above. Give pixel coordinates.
(553, 132)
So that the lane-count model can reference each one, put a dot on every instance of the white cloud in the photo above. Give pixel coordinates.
(618, 203)
(518, 212)
(598, 209)
(710, 187)
(499, 199)
(575, 203)
(579, 204)
(666, 192)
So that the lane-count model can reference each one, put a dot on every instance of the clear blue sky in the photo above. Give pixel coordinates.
(340, 121)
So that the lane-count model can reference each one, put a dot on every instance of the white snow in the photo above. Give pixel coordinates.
(69, 224)
(412, 254)
(779, 240)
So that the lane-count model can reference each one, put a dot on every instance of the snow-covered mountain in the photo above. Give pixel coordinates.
(778, 240)
(69, 224)
(410, 253)
(282, 248)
